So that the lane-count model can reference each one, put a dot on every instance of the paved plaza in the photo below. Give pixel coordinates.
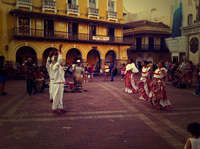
(103, 116)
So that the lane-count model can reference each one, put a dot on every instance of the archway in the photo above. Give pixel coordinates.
(93, 58)
(72, 56)
(46, 54)
(110, 56)
(24, 53)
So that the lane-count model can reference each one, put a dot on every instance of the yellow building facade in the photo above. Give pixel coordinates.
(91, 30)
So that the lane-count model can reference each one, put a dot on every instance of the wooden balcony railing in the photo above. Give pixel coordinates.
(146, 47)
(73, 9)
(38, 34)
(111, 15)
(93, 12)
(24, 3)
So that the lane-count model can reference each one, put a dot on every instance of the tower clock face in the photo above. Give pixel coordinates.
(194, 45)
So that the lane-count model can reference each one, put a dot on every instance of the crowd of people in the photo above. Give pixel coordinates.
(147, 79)
(151, 85)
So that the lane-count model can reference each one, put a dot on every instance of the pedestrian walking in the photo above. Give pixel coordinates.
(144, 83)
(130, 78)
(59, 81)
(193, 142)
(158, 91)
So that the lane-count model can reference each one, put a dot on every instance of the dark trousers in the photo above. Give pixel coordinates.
(197, 90)
(30, 85)
(112, 76)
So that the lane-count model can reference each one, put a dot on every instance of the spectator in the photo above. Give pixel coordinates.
(197, 90)
(30, 79)
(2, 81)
(111, 67)
(193, 142)
(106, 71)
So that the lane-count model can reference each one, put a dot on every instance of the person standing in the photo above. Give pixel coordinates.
(193, 142)
(159, 95)
(2, 80)
(144, 83)
(111, 67)
(78, 75)
(49, 70)
(197, 90)
(59, 81)
(30, 79)
(130, 78)
(106, 71)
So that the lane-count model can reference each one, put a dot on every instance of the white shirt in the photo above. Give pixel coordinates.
(195, 143)
(145, 73)
(158, 73)
(58, 70)
(132, 67)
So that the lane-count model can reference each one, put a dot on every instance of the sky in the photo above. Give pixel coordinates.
(143, 9)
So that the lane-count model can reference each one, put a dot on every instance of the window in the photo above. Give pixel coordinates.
(151, 43)
(24, 25)
(111, 5)
(92, 3)
(72, 2)
(138, 43)
(190, 19)
(162, 43)
(93, 30)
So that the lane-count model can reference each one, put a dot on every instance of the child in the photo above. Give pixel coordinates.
(193, 142)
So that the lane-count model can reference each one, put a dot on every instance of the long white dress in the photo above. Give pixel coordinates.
(58, 87)
(130, 79)
(51, 79)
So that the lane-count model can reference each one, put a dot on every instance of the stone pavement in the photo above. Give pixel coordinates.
(101, 117)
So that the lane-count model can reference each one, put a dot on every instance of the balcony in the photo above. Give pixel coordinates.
(49, 5)
(93, 13)
(147, 48)
(111, 15)
(24, 4)
(73, 9)
(40, 35)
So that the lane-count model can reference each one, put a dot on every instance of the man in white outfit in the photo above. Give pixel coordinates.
(49, 65)
(58, 83)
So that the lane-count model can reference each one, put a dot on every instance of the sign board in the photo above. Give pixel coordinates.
(102, 38)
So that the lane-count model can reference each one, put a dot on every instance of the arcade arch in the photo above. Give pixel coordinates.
(72, 55)
(24, 53)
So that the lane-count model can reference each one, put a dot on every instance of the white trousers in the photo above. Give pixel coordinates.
(50, 90)
(57, 93)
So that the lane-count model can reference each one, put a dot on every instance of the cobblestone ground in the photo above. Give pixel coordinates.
(101, 117)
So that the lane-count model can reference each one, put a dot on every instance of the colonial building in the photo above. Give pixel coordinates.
(191, 29)
(148, 41)
(91, 30)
